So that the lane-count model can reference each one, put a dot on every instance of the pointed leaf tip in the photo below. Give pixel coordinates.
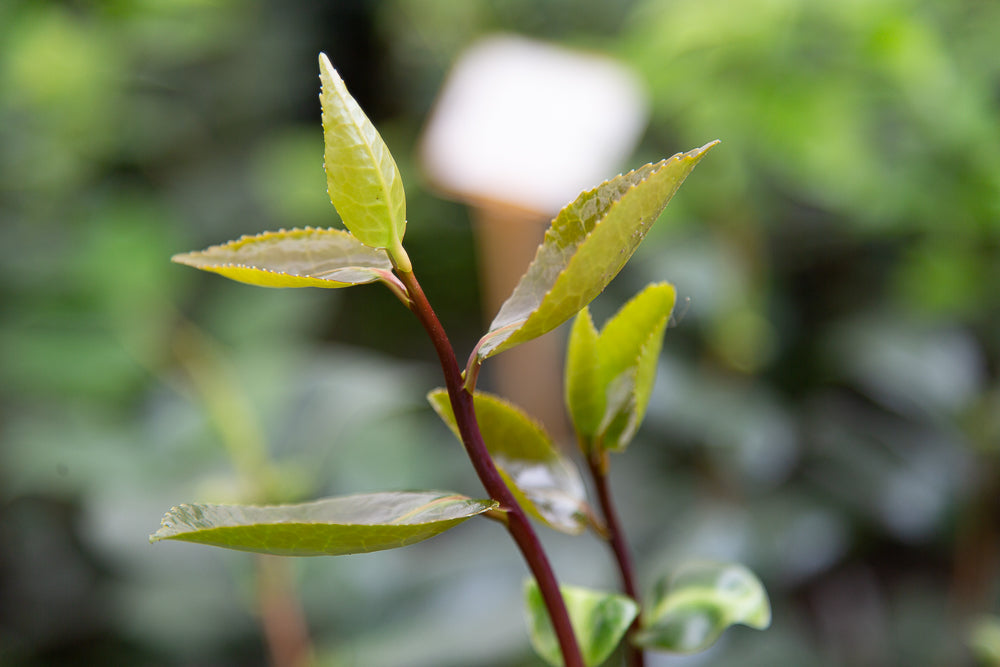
(585, 247)
(363, 180)
(610, 375)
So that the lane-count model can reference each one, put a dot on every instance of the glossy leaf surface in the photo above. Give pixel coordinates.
(599, 621)
(546, 484)
(362, 178)
(586, 246)
(690, 609)
(295, 258)
(610, 375)
(331, 527)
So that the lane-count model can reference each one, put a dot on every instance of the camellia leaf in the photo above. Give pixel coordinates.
(689, 609)
(599, 622)
(586, 246)
(362, 178)
(544, 482)
(330, 527)
(295, 258)
(610, 375)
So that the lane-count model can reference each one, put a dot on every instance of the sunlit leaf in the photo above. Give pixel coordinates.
(599, 622)
(610, 375)
(546, 484)
(587, 245)
(689, 610)
(332, 527)
(295, 258)
(362, 178)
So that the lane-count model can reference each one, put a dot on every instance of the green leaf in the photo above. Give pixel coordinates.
(628, 349)
(689, 610)
(585, 399)
(610, 376)
(599, 622)
(544, 482)
(294, 258)
(587, 245)
(362, 178)
(331, 527)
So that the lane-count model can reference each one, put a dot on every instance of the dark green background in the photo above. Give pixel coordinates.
(828, 407)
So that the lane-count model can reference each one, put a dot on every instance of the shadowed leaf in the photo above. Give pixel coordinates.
(546, 484)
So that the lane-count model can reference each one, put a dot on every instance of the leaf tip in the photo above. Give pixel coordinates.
(699, 152)
(325, 66)
(161, 532)
(181, 258)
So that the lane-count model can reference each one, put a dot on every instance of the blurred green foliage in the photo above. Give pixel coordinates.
(827, 405)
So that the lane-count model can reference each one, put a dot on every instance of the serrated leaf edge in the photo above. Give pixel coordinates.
(478, 357)
(385, 275)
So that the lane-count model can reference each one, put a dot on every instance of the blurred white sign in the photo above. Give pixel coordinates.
(531, 125)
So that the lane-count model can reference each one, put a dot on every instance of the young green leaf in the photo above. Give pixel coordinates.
(362, 178)
(689, 610)
(544, 482)
(610, 375)
(587, 245)
(330, 527)
(599, 621)
(295, 258)
(585, 392)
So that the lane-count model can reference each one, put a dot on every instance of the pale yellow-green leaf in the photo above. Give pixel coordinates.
(307, 257)
(362, 178)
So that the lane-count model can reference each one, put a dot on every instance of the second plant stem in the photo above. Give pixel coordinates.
(599, 472)
(517, 521)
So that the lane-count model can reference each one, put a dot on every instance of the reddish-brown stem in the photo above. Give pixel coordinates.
(284, 623)
(616, 538)
(518, 525)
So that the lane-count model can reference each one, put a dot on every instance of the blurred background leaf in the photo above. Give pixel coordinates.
(826, 408)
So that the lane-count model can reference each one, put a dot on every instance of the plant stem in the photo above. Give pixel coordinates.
(518, 525)
(598, 469)
(284, 623)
